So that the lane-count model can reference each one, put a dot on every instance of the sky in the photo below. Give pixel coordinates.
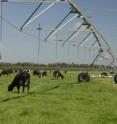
(19, 47)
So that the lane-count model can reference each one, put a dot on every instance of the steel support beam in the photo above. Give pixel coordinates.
(85, 38)
(73, 34)
(97, 56)
(33, 1)
(39, 14)
(62, 26)
(85, 19)
(57, 26)
(31, 15)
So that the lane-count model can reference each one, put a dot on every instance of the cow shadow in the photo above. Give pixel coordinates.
(48, 91)
(13, 98)
(44, 92)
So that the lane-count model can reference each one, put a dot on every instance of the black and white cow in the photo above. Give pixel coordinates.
(21, 79)
(57, 74)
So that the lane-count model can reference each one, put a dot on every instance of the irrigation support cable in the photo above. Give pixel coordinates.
(15, 27)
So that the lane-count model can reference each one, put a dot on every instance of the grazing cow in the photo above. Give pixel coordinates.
(44, 73)
(57, 74)
(65, 71)
(37, 72)
(15, 71)
(11, 71)
(21, 79)
(5, 72)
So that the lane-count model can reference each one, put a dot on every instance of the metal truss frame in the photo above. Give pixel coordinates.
(102, 43)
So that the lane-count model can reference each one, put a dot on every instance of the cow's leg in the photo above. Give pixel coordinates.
(23, 87)
(61, 77)
(18, 87)
(28, 84)
(53, 77)
(28, 88)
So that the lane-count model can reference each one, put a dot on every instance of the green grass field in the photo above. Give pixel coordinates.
(59, 101)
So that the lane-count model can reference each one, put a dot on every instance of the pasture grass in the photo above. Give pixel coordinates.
(59, 101)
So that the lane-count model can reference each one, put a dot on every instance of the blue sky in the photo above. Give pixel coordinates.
(18, 47)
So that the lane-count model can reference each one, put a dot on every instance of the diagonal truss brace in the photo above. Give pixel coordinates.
(57, 25)
(31, 16)
(73, 34)
(76, 9)
(42, 12)
(97, 35)
(85, 38)
(62, 26)
(97, 56)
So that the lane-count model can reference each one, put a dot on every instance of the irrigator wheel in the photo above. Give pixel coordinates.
(115, 78)
(83, 77)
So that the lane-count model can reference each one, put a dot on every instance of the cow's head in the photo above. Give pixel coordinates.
(10, 88)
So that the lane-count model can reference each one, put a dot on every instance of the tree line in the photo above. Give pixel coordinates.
(71, 66)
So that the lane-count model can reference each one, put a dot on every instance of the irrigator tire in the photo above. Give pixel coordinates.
(104, 74)
(115, 78)
(83, 77)
(111, 73)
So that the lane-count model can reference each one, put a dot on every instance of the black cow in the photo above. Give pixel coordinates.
(44, 73)
(65, 71)
(11, 71)
(15, 71)
(57, 74)
(37, 72)
(21, 79)
(5, 72)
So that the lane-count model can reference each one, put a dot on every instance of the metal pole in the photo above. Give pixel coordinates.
(38, 54)
(1, 30)
(84, 58)
(62, 53)
(56, 48)
(77, 55)
(68, 54)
